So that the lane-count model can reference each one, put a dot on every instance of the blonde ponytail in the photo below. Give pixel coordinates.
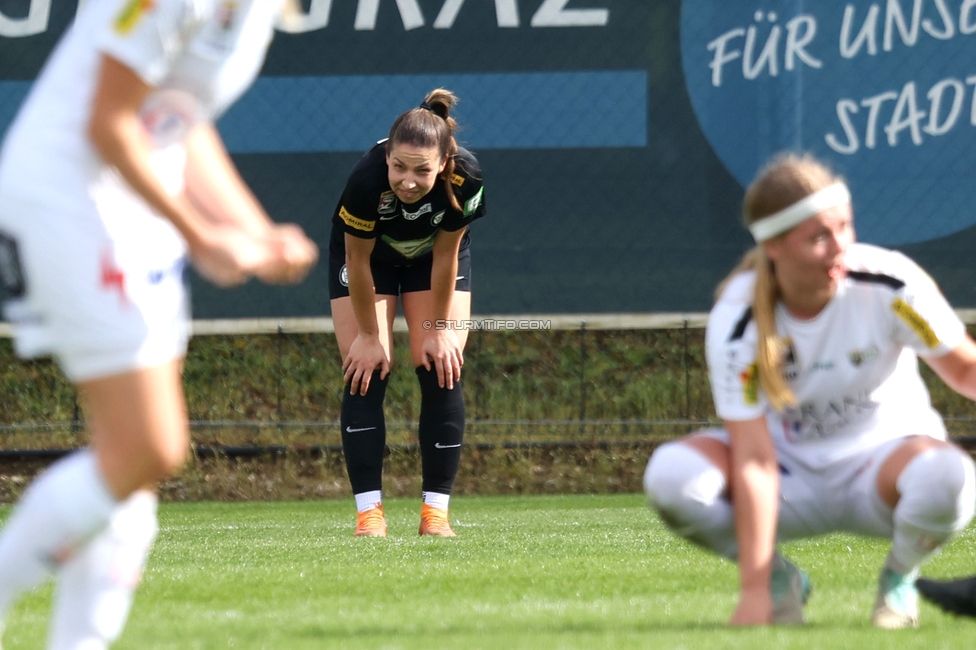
(769, 345)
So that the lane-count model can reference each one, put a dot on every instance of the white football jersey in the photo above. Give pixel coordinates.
(199, 56)
(853, 368)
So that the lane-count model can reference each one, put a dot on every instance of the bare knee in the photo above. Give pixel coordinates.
(170, 455)
(142, 460)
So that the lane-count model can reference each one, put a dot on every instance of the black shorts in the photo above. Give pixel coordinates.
(393, 280)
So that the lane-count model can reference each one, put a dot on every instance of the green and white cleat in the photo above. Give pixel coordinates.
(896, 607)
(790, 589)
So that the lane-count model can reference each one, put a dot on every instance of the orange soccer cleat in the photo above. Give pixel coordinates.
(371, 523)
(433, 521)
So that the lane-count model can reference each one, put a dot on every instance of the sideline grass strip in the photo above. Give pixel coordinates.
(524, 572)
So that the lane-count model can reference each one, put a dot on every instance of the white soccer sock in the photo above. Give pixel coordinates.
(60, 511)
(686, 490)
(937, 492)
(96, 588)
(437, 500)
(368, 500)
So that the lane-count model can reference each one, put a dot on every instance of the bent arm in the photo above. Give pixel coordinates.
(361, 290)
(441, 348)
(215, 186)
(957, 368)
(754, 477)
(117, 133)
(366, 353)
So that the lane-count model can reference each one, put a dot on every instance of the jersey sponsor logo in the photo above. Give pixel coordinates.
(915, 321)
(437, 218)
(810, 422)
(750, 384)
(472, 204)
(131, 14)
(355, 222)
(858, 357)
(388, 203)
(457, 179)
(413, 216)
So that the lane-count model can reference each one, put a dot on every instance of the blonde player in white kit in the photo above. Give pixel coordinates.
(812, 351)
(111, 176)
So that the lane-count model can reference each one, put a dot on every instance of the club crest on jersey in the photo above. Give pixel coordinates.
(750, 385)
(437, 218)
(413, 216)
(858, 357)
(388, 203)
(131, 14)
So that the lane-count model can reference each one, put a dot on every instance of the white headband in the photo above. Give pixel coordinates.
(780, 222)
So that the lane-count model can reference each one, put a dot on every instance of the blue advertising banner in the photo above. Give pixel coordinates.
(615, 136)
(882, 90)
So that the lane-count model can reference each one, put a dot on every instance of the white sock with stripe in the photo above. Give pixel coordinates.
(96, 588)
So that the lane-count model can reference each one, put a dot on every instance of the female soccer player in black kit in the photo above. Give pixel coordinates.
(401, 229)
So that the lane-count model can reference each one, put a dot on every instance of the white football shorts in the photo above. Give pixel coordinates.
(102, 291)
(840, 497)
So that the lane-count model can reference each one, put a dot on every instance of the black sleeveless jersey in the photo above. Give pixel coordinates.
(369, 209)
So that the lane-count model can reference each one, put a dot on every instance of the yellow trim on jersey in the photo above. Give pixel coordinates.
(131, 13)
(918, 324)
(355, 222)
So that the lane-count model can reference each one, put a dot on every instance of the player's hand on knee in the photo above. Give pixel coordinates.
(366, 354)
(442, 351)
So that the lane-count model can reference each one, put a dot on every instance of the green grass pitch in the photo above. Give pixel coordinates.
(524, 572)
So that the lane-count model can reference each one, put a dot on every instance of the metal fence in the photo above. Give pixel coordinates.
(254, 386)
(260, 384)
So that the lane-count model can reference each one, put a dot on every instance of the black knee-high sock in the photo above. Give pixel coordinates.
(441, 431)
(364, 435)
